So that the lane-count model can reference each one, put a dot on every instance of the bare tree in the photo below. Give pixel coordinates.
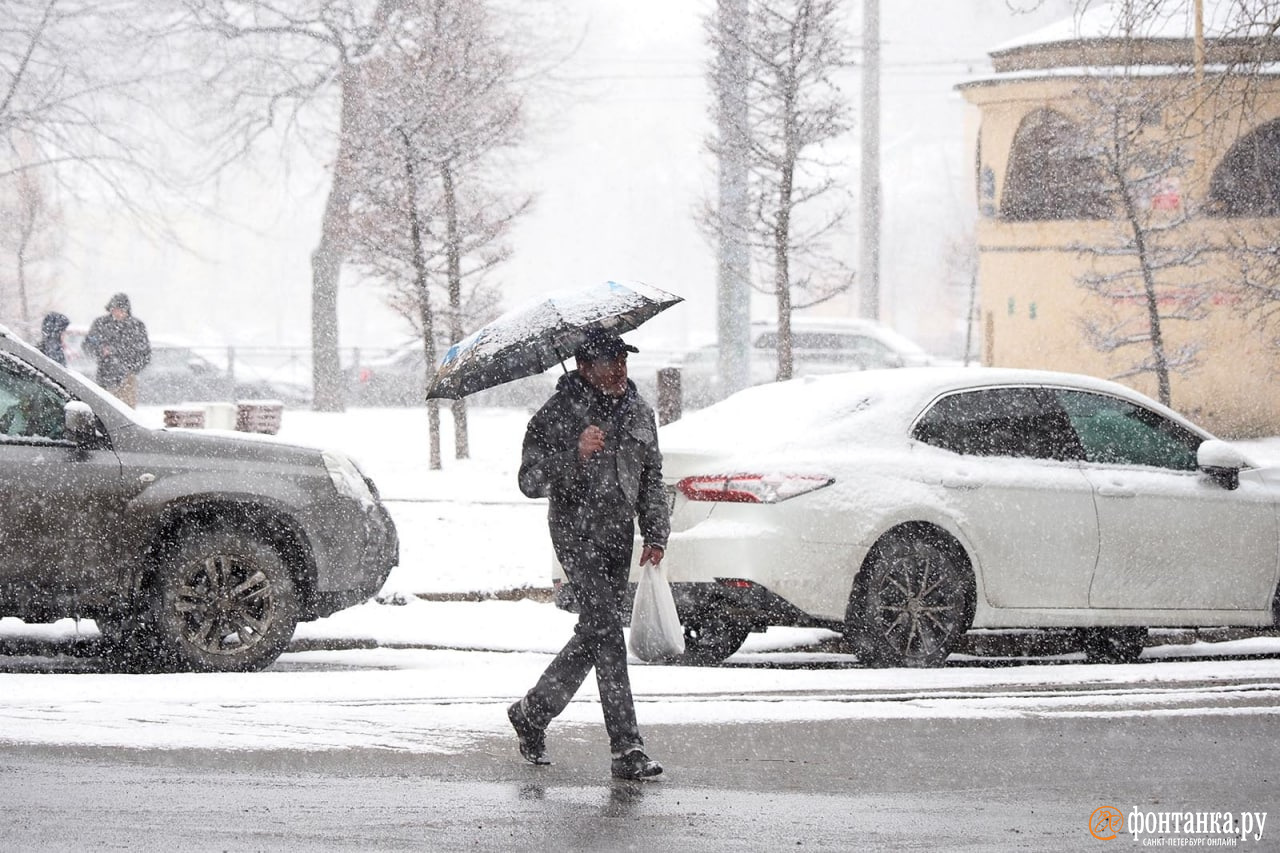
(1142, 137)
(295, 66)
(1244, 188)
(84, 100)
(961, 267)
(31, 236)
(1143, 276)
(791, 51)
(434, 211)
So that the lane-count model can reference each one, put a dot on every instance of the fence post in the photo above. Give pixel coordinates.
(669, 395)
(231, 373)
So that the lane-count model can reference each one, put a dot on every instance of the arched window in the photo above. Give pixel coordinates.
(1247, 181)
(1051, 175)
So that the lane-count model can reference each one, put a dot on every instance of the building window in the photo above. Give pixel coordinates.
(1051, 174)
(1247, 181)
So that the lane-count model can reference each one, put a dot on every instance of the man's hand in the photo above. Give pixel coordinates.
(651, 554)
(590, 442)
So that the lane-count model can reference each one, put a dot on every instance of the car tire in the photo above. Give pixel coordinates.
(224, 602)
(710, 637)
(1113, 645)
(913, 603)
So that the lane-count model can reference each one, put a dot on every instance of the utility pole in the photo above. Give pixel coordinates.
(869, 231)
(733, 286)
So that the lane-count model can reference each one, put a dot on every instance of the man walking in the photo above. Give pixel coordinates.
(592, 451)
(119, 343)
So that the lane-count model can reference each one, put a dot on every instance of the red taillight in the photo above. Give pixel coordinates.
(735, 583)
(750, 488)
(364, 375)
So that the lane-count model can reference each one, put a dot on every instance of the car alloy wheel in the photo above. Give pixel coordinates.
(916, 601)
(227, 603)
(712, 636)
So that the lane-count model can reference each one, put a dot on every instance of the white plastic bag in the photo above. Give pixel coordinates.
(656, 633)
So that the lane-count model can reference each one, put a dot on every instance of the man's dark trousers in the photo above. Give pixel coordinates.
(597, 564)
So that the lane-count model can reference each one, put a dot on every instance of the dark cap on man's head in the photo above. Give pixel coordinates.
(602, 344)
(120, 300)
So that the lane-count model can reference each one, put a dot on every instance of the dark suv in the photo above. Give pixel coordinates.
(190, 550)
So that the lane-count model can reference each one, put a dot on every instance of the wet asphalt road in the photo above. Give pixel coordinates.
(948, 784)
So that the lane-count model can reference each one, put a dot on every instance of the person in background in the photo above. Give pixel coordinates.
(53, 328)
(118, 341)
(592, 451)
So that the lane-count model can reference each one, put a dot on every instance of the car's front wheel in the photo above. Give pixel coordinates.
(914, 602)
(225, 602)
(1113, 645)
(712, 636)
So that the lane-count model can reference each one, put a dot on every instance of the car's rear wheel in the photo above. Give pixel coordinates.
(225, 602)
(914, 601)
(1113, 645)
(711, 636)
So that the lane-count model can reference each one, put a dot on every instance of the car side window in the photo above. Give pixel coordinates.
(1020, 422)
(1113, 431)
(30, 407)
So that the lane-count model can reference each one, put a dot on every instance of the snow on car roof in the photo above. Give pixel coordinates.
(877, 406)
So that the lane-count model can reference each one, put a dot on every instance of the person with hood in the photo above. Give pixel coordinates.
(52, 329)
(592, 451)
(119, 343)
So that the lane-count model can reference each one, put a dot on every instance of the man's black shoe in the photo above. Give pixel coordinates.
(533, 742)
(636, 765)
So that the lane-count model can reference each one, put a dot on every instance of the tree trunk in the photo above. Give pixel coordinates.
(461, 446)
(423, 292)
(970, 318)
(782, 268)
(326, 266)
(1165, 392)
(24, 306)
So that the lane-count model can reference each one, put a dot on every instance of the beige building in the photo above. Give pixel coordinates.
(1127, 176)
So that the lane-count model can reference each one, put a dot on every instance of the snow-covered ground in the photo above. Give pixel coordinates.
(442, 671)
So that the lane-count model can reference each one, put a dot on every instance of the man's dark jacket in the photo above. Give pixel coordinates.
(619, 483)
(120, 346)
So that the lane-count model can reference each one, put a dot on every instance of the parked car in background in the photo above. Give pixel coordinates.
(905, 507)
(191, 550)
(399, 378)
(817, 346)
(178, 373)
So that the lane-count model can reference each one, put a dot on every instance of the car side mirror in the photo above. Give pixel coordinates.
(1221, 462)
(80, 421)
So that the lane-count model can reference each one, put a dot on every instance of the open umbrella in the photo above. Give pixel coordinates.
(542, 333)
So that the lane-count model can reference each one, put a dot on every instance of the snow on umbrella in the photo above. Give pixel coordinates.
(542, 333)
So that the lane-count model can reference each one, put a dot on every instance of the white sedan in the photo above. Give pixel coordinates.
(907, 506)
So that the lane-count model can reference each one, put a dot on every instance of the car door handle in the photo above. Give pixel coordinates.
(1117, 491)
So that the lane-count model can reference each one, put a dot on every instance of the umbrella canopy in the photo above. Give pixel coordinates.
(542, 333)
